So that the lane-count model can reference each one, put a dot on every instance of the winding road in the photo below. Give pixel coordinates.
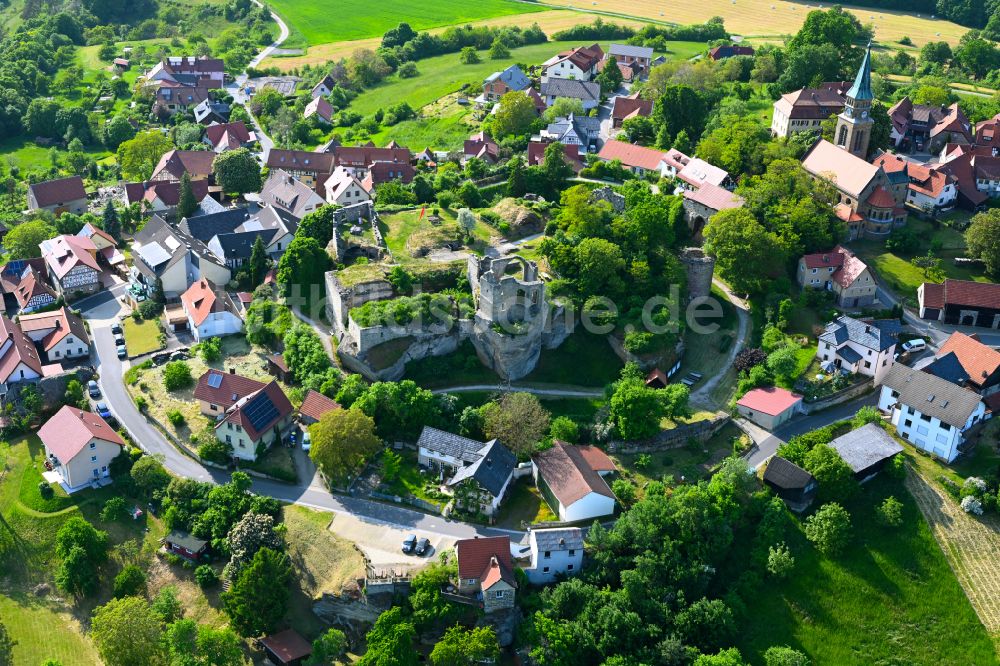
(102, 310)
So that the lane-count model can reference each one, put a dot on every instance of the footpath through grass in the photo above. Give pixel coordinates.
(320, 23)
(890, 598)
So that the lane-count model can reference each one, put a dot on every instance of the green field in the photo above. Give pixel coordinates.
(890, 598)
(319, 23)
(442, 75)
(142, 337)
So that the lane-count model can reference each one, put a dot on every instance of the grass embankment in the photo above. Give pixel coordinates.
(890, 598)
(315, 23)
(772, 18)
(142, 337)
(407, 235)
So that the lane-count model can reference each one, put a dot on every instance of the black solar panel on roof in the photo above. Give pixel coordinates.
(215, 380)
(261, 411)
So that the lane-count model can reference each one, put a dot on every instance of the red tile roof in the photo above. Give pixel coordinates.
(933, 295)
(631, 107)
(61, 190)
(631, 155)
(196, 163)
(22, 350)
(64, 253)
(315, 405)
(714, 197)
(975, 294)
(230, 385)
(568, 474)
(71, 429)
(976, 358)
(167, 192)
(32, 284)
(200, 300)
(239, 413)
(288, 646)
(235, 134)
(597, 459)
(881, 198)
(772, 400)
(61, 321)
(475, 555)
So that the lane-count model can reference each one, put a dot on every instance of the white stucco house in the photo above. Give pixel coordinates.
(569, 479)
(60, 334)
(862, 347)
(80, 445)
(211, 312)
(932, 413)
(556, 552)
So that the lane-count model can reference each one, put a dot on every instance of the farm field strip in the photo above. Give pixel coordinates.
(773, 17)
(320, 23)
(971, 546)
(550, 21)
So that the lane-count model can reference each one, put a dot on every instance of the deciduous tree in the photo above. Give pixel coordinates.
(746, 254)
(459, 647)
(127, 632)
(982, 237)
(22, 241)
(515, 115)
(341, 440)
(237, 171)
(518, 420)
(829, 528)
(138, 156)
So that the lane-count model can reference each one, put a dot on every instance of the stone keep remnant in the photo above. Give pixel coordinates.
(699, 267)
(512, 323)
(513, 319)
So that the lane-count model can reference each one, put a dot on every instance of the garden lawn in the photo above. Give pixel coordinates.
(890, 598)
(142, 337)
(692, 462)
(524, 504)
(44, 631)
(444, 128)
(29, 156)
(903, 277)
(319, 23)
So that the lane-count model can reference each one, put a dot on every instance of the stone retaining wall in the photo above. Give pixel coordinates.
(700, 431)
(839, 397)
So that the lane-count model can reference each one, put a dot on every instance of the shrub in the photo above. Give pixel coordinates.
(638, 342)
(785, 656)
(175, 417)
(150, 309)
(140, 403)
(829, 528)
(890, 512)
(45, 490)
(643, 461)
(130, 582)
(950, 486)
(780, 561)
(973, 487)
(210, 350)
(114, 509)
(177, 375)
(972, 505)
(215, 451)
(896, 468)
(206, 576)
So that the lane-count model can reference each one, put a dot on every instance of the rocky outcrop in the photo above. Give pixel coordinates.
(352, 616)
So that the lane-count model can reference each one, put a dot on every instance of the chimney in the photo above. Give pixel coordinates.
(232, 371)
(868, 329)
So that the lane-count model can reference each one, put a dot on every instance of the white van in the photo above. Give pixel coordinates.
(914, 345)
(306, 440)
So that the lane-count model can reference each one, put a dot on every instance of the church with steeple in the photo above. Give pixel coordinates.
(870, 201)
(854, 124)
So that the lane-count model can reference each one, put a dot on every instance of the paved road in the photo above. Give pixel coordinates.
(236, 89)
(102, 312)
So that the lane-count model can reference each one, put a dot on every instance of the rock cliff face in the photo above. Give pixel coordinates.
(351, 616)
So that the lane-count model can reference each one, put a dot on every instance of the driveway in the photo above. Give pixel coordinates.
(768, 443)
(102, 312)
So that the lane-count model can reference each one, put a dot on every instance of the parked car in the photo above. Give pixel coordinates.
(914, 345)
(119, 340)
(410, 544)
(423, 546)
(122, 351)
(93, 389)
(103, 411)
(116, 328)
(306, 441)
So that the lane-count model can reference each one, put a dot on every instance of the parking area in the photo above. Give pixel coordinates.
(382, 544)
